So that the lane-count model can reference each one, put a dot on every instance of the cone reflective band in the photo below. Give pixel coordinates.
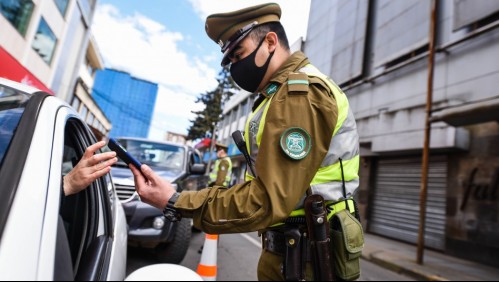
(207, 267)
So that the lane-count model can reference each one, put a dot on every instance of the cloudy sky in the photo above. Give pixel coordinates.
(164, 41)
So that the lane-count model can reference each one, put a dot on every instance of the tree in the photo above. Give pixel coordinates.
(206, 119)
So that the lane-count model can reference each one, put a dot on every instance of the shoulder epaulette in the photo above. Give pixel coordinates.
(298, 83)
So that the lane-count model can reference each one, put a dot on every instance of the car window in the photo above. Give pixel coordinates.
(12, 105)
(85, 216)
(157, 155)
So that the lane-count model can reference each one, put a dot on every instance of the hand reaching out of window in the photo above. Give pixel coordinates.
(89, 168)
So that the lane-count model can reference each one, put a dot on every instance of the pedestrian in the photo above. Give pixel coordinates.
(301, 137)
(221, 173)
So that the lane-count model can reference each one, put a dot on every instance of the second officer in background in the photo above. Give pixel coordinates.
(222, 168)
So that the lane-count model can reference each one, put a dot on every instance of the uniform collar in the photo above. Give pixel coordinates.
(296, 61)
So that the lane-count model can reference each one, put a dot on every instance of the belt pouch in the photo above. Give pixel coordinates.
(292, 260)
(348, 240)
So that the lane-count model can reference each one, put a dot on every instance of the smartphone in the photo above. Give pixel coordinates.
(122, 153)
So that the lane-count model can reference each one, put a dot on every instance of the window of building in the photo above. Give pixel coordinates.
(62, 5)
(90, 118)
(45, 41)
(83, 112)
(401, 31)
(18, 13)
(468, 14)
(76, 103)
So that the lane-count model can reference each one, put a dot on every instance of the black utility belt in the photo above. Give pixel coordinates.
(275, 242)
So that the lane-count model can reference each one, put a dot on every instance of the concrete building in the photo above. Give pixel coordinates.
(377, 51)
(44, 43)
(177, 138)
(82, 99)
(47, 41)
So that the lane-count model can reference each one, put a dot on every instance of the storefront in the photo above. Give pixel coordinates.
(11, 69)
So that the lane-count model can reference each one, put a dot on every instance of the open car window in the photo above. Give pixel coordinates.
(84, 218)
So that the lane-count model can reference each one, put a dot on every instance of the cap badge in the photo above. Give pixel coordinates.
(296, 143)
(220, 43)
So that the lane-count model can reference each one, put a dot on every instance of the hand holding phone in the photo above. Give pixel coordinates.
(122, 153)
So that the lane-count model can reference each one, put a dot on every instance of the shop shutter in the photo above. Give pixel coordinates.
(395, 205)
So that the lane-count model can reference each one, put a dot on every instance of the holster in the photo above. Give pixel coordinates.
(318, 229)
(293, 256)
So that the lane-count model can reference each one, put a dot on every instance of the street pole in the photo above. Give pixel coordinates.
(212, 145)
(424, 168)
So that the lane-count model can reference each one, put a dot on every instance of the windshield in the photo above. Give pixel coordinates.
(12, 103)
(156, 155)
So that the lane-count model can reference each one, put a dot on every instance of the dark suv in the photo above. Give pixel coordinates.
(181, 165)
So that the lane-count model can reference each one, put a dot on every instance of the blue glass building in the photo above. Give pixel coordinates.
(127, 101)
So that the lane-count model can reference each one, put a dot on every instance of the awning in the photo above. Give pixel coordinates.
(473, 113)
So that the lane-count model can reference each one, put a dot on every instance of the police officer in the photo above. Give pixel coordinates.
(222, 169)
(300, 127)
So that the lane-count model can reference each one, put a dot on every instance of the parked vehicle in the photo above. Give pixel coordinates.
(43, 234)
(147, 227)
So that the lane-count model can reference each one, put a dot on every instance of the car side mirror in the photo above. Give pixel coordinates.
(198, 168)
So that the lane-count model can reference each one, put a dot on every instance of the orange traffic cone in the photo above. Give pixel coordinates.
(207, 267)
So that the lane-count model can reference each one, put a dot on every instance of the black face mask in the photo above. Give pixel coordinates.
(247, 74)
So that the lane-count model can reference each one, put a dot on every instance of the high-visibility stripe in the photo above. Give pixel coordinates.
(207, 270)
(291, 82)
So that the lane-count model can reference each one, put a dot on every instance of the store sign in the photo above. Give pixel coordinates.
(481, 191)
(11, 69)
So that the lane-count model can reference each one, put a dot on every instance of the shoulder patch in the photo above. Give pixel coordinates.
(271, 89)
(296, 143)
(298, 83)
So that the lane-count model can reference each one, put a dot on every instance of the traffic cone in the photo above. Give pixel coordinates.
(207, 267)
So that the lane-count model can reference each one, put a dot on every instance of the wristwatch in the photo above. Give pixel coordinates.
(170, 212)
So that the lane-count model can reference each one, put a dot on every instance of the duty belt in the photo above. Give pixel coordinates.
(274, 240)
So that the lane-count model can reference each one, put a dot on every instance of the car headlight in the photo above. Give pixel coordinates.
(158, 222)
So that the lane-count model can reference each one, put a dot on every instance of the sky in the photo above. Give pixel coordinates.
(164, 41)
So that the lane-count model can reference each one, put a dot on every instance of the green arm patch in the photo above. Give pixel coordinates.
(298, 83)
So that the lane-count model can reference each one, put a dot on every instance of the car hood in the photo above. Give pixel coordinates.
(124, 176)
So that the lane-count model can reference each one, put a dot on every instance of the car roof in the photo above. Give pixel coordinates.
(19, 86)
(153, 141)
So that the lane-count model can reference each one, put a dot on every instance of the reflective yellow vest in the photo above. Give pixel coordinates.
(344, 144)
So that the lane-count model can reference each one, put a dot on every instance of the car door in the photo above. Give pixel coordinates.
(88, 218)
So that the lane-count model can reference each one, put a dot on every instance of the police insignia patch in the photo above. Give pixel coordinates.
(271, 89)
(296, 143)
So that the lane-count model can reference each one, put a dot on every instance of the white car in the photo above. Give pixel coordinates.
(43, 234)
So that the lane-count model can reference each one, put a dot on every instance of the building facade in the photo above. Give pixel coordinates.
(44, 43)
(127, 101)
(378, 52)
(82, 99)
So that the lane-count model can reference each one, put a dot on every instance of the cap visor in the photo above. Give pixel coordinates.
(232, 45)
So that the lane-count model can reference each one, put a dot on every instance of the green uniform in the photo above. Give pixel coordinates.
(222, 172)
(281, 181)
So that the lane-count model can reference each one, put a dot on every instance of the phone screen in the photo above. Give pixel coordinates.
(122, 153)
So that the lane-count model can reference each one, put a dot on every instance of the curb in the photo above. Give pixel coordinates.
(380, 258)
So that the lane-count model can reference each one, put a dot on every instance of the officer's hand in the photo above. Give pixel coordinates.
(154, 190)
(89, 168)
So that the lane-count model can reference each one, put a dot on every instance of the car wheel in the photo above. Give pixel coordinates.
(174, 252)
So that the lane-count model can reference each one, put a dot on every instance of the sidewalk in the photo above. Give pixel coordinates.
(401, 258)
